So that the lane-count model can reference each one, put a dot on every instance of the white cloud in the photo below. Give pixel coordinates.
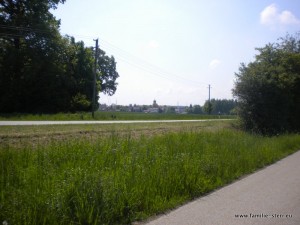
(272, 16)
(214, 63)
(269, 15)
(286, 17)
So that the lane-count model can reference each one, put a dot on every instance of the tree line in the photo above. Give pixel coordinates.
(218, 107)
(42, 71)
(215, 107)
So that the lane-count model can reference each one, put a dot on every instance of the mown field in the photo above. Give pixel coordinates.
(119, 174)
(110, 116)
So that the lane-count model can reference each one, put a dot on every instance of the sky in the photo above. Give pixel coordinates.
(172, 50)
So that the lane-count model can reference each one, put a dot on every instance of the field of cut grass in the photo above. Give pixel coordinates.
(122, 177)
(14, 136)
(110, 116)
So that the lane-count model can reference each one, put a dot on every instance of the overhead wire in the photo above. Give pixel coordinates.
(138, 62)
(25, 29)
(138, 65)
(118, 52)
(147, 65)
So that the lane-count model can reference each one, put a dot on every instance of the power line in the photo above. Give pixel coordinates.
(25, 29)
(145, 63)
(118, 52)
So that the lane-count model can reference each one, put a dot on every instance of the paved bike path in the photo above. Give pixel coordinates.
(270, 196)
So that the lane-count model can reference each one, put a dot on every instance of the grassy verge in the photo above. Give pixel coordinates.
(119, 179)
(109, 116)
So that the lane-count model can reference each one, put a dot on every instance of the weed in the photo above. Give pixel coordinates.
(120, 179)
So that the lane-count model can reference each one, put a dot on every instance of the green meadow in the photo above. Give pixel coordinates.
(119, 174)
(110, 116)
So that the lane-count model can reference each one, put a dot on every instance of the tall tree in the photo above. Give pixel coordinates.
(108, 73)
(80, 64)
(31, 50)
(268, 88)
(41, 71)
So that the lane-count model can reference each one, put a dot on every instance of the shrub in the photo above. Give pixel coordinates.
(268, 89)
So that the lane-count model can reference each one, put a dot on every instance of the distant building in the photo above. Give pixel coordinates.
(155, 105)
(152, 110)
(180, 110)
(136, 109)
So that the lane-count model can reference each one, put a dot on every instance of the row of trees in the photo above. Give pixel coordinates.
(218, 106)
(268, 89)
(215, 107)
(43, 71)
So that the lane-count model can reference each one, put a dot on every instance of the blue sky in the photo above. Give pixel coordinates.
(171, 50)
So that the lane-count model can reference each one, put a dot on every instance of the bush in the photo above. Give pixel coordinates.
(80, 103)
(268, 89)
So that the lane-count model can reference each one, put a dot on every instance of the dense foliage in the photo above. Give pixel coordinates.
(42, 71)
(220, 106)
(268, 89)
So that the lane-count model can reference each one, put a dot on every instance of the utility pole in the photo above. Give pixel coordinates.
(209, 104)
(209, 93)
(94, 83)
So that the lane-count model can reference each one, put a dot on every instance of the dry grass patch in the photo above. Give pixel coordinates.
(17, 136)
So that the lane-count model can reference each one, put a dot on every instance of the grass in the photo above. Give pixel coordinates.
(119, 178)
(109, 116)
(14, 136)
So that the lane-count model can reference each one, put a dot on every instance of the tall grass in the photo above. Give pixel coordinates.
(120, 180)
(109, 116)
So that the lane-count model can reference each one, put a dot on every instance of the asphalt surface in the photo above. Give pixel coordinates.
(30, 123)
(270, 196)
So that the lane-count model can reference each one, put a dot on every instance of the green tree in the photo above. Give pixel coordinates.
(267, 89)
(223, 106)
(197, 109)
(190, 109)
(31, 72)
(220, 106)
(79, 69)
(41, 71)
(207, 107)
(108, 74)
